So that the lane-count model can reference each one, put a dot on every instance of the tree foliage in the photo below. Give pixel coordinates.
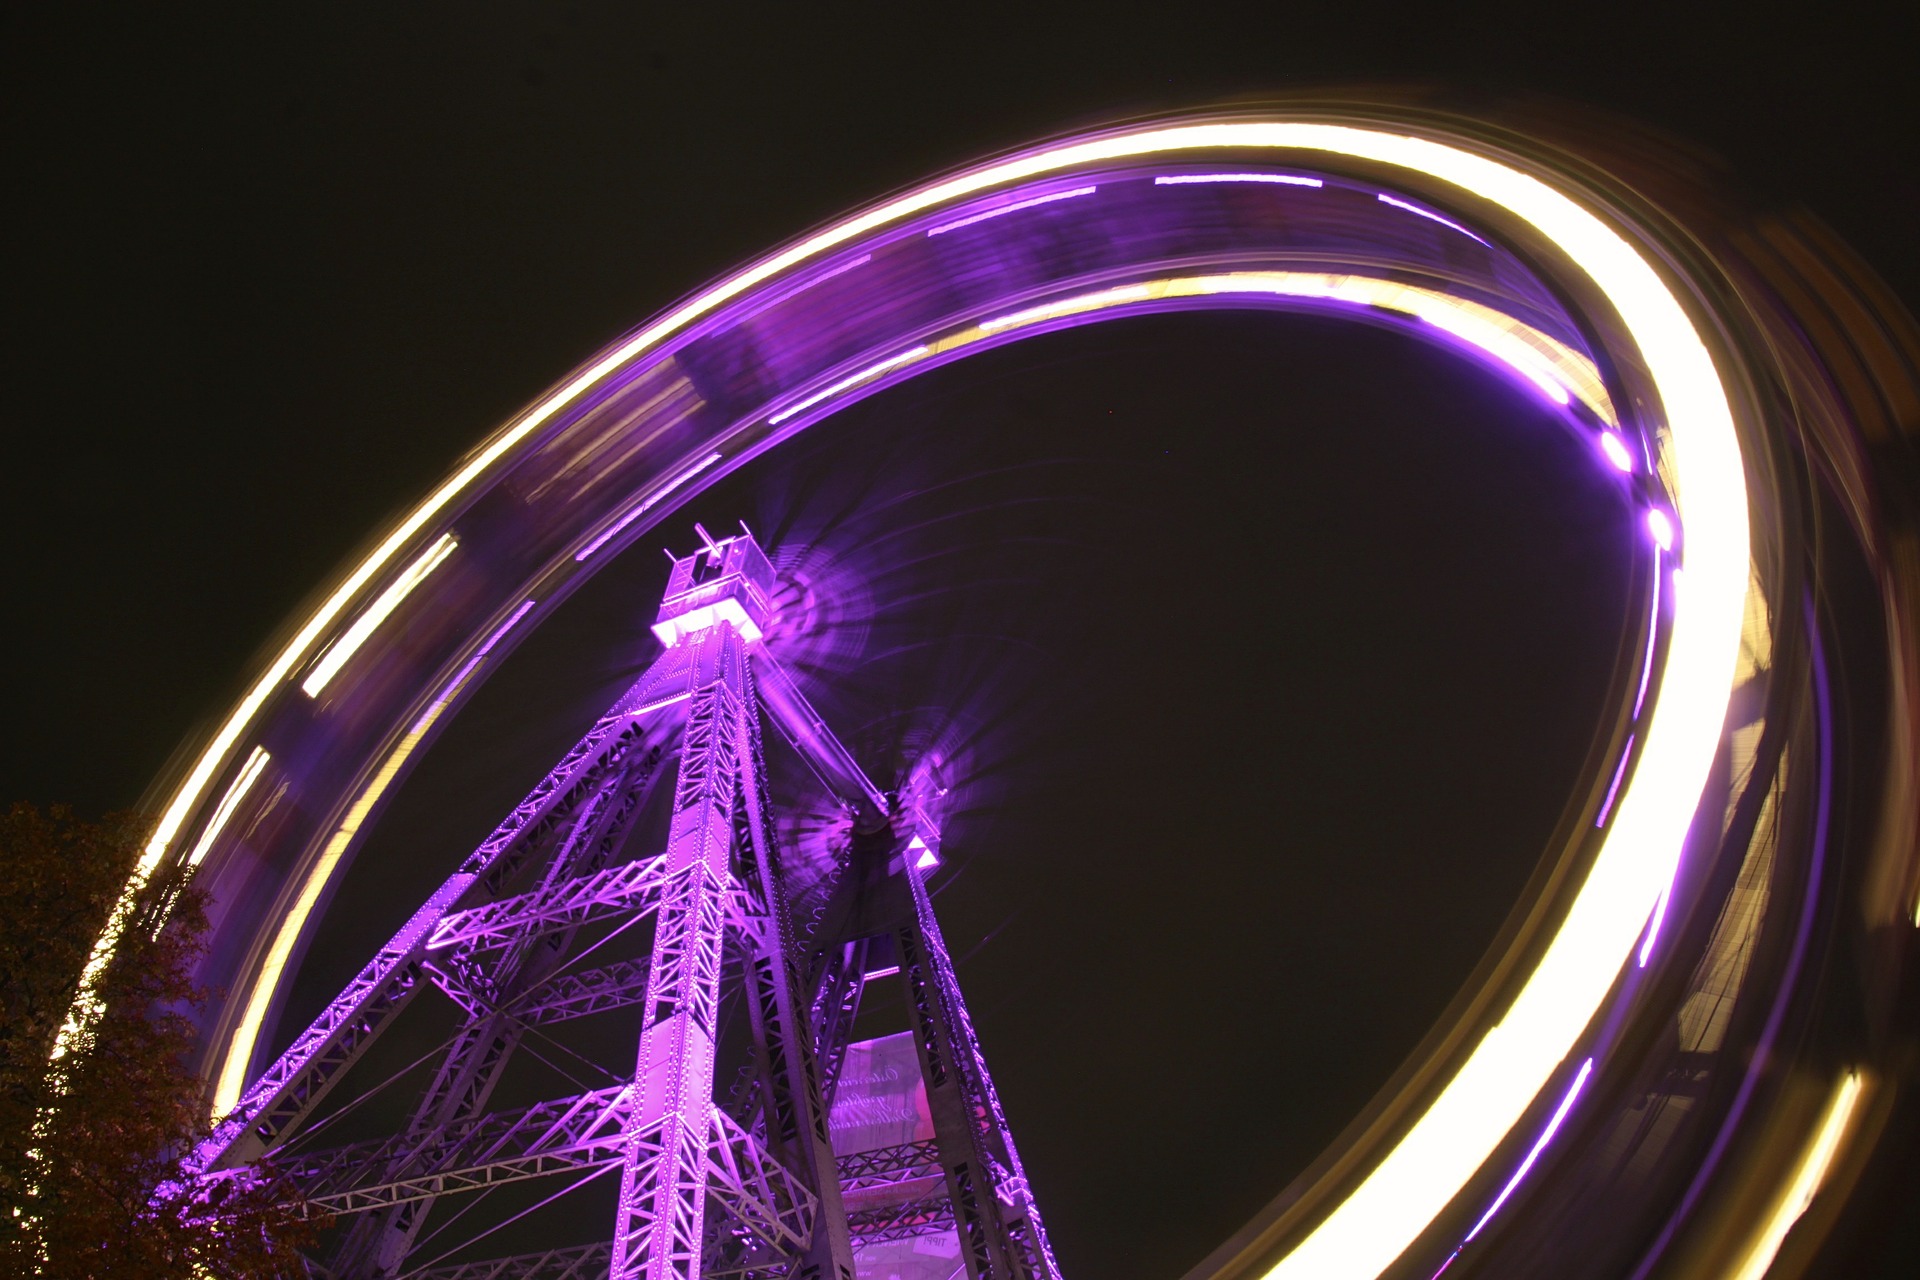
(90, 1144)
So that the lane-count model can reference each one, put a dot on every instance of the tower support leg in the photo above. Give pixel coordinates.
(663, 1181)
(794, 1106)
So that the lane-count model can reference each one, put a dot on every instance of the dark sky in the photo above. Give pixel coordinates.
(270, 273)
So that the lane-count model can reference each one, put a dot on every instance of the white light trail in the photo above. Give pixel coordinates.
(1540, 1144)
(376, 613)
(1515, 1060)
(1807, 1177)
(852, 379)
(249, 774)
(1429, 215)
(1015, 207)
(232, 1079)
(1185, 179)
(1555, 369)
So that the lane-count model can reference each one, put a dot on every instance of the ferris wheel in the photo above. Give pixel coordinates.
(734, 930)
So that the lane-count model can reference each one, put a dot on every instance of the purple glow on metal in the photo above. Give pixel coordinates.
(1429, 215)
(1616, 451)
(928, 858)
(645, 504)
(1653, 633)
(1660, 525)
(878, 367)
(1015, 207)
(1546, 1136)
(872, 975)
(479, 655)
(1184, 179)
(1606, 806)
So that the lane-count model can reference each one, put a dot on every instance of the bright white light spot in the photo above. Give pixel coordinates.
(1616, 451)
(1660, 525)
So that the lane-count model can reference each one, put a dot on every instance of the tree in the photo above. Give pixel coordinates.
(90, 1144)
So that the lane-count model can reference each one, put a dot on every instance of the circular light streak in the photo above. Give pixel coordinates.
(1517, 1058)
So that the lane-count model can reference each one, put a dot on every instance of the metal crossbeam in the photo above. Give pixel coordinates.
(475, 1061)
(286, 1093)
(919, 1217)
(756, 1190)
(889, 1166)
(748, 1186)
(632, 889)
(751, 1192)
(581, 1132)
(562, 997)
(582, 1262)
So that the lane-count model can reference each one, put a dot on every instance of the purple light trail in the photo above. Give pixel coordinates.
(460, 678)
(878, 367)
(1606, 806)
(1546, 1136)
(1184, 179)
(1429, 215)
(1015, 207)
(1653, 634)
(645, 504)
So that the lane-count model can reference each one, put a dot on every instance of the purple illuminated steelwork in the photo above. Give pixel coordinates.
(750, 1187)
(658, 1227)
(1021, 1233)
(282, 1097)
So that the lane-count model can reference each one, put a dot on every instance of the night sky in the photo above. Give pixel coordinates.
(1267, 648)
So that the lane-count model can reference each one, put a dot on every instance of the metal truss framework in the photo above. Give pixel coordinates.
(752, 1188)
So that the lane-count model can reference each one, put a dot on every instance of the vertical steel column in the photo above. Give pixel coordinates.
(796, 1114)
(663, 1183)
(1000, 1229)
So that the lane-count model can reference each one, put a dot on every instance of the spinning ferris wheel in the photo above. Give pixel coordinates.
(649, 879)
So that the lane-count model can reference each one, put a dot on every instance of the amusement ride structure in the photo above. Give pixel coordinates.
(1679, 1054)
(750, 1188)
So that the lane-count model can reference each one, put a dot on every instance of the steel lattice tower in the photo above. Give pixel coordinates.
(748, 1186)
